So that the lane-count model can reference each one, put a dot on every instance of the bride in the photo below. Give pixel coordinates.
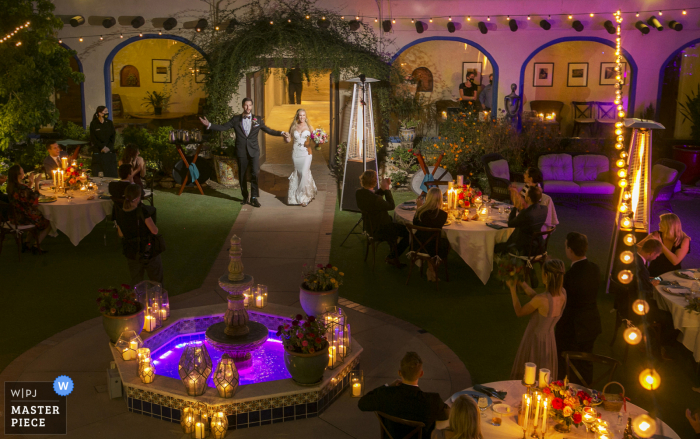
(302, 188)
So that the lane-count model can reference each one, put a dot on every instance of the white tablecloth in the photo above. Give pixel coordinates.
(472, 240)
(509, 428)
(77, 216)
(686, 322)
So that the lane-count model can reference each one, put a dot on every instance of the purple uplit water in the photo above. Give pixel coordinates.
(268, 361)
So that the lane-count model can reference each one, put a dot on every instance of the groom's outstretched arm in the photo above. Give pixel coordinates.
(224, 127)
(269, 130)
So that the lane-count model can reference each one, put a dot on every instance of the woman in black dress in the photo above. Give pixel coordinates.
(468, 93)
(102, 136)
(430, 214)
(676, 245)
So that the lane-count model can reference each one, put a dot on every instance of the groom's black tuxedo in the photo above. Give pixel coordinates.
(247, 149)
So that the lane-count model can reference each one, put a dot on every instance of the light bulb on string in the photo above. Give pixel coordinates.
(570, 17)
(626, 222)
(307, 17)
(629, 239)
(289, 20)
(624, 207)
(394, 21)
(140, 34)
(121, 35)
(623, 155)
(508, 18)
(649, 379)
(80, 39)
(591, 14)
(661, 13)
(450, 18)
(622, 183)
(626, 195)
(625, 277)
(469, 18)
(684, 13)
(632, 335)
(620, 163)
(376, 20)
(272, 22)
(619, 145)
(18, 43)
(528, 17)
(644, 426)
(161, 33)
(431, 19)
(101, 38)
(357, 18)
(412, 20)
(60, 41)
(488, 18)
(640, 307)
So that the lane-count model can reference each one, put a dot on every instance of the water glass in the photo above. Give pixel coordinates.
(101, 174)
(483, 404)
(485, 198)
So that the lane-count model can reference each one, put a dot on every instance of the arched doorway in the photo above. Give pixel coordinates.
(71, 103)
(678, 78)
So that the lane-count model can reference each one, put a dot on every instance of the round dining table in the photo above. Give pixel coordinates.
(509, 428)
(472, 240)
(673, 298)
(76, 216)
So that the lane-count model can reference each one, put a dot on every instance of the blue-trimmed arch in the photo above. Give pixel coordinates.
(630, 60)
(494, 92)
(120, 46)
(82, 84)
(663, 68)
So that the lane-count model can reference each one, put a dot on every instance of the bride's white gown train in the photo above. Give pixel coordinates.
(302, 187)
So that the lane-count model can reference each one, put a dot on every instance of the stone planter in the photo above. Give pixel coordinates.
(158, 110)
(306, 369)
(407, 134)
(314, 303)
(115, 325)
(690, 156)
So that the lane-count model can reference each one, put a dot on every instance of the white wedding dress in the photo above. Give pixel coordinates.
(302, 187)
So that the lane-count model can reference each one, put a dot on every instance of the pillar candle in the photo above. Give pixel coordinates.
(537, 409)
(64, 162)
(544, 417)
(530, 370)
(341, 350)
(356, 388)
(128, 355)
(163, 314)
(526, 416)
(147, 376)
(199, 430)
(331, 356)
(258, 301)
(149, 324)
(54, 179)
(460, 180)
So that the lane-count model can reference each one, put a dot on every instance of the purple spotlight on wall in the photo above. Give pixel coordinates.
(513, 25)
(452, 27)
(675, 25)
(482, 28)
(546, 25)
(642, 26)
(610, 27)
(577, 25)
(421, 26)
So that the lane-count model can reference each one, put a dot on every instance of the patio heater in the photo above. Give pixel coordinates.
(361, 153)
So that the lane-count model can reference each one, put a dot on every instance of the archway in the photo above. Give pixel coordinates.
(566, 84)
(72, 107)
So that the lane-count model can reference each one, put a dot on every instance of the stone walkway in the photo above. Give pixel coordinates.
(277, 240)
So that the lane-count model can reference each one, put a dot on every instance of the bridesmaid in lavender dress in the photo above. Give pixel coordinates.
(538, 345)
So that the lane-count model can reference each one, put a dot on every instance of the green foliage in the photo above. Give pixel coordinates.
(690, 109)
(154, 147)
(31, 156)
(322, 278)
(156, 100)
(30, 72)
(70, 130)
(338, 169)
(117, 301)
(407, 124)
(404, 161)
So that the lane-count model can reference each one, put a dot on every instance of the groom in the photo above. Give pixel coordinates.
(246, 126)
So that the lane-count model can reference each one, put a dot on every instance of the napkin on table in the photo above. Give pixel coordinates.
(490, 391)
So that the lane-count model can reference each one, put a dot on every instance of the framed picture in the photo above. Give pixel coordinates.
(201, 70)
(543, 75)
(161, 70)
(471, 67)
(578, 74)
(608, 74)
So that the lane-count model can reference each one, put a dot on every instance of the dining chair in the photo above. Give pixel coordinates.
(662, 186)
(584, 116)
(413, 429)
(605, 377)
(371, 241)
(9, 224)
(536, 253)
(499, 175)
(606, 116)
(418, 251)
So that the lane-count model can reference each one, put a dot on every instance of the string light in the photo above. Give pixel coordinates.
(570, 17)
(121, 35)
(488, 18)
(140, 34)
(632, 335)
(644, 426)
(307, 17)
(661, 13)
(640, 307)
(637, 14)
(450, 19)
(394, 20)
(431, 19)
(159, 33)
(289, 20)
(412, 20)
(101, 38)
(12, 34)
(80, 39)
(528, 17)
(684, 13)
(18, 43)
(649, 379)
(508, 18)
(342, 17)
(272, 22)
(357, 18)
(469, 18)
(376, 20)
(216, 27)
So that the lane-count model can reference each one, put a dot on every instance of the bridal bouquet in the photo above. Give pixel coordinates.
(319, 137)
(510, 267)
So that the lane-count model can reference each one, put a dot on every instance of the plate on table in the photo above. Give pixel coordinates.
(502, 408)
(681, 292)
(473, 394)
(686, 274)
(406, 206)
(47, 199)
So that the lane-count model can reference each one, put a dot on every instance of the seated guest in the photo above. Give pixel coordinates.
(430, 214)
(53, 161)
(25, 199)
(138, 166)
(465, 422)
(533, 177)
(376, 204)
(675, 245)
(579, 325)
(527, 222)
(117, 188)
(404, 399)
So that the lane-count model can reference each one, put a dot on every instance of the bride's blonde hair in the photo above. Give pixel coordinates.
(293, 126)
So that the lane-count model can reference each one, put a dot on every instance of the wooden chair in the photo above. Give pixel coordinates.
(372, 242)
(151, 188)
(584, 116)
(663, 193)
(418, 250)
(604, 377)
(606, 116)
(414, 428)
(9, 224)
(536, 254)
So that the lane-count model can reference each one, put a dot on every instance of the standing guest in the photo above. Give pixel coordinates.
(675, 245)
(526, 222)
(25, 199)
(375, 205)
(430, 214)
(486, 95)
(579, 325)
(545, 309)
(465, 422)
(295, 76)
(102, 136)
(138, 166)
(53, 161)
(404, 399)
(137, 230)
(468, 91)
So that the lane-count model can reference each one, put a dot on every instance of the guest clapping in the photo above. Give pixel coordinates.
(465, 422)
(675, 245)
(138, 165)
(24, 199)
(533, 177)
(526, 222)
(430, 214)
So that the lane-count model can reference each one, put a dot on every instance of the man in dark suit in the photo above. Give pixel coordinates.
(247, 126)
(53, 161)
(404, 399)
(295, 76)
(376, 204)
(527, 222)
(579, 324)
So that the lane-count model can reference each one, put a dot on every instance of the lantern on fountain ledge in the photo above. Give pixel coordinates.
(357, 384)
(194, 369)
(219, 425)
(142, 354)
(165, 306)
(259, 297)
(150, 295)
(334, 319)
(195, 421)
(153, 319)
(128, 344)
(226, 377)
(147, 371)
(346, 345)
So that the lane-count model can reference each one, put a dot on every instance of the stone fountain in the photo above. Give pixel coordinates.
(237, 336)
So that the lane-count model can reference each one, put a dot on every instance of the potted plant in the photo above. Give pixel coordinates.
(305, 349)
(120, 311)
(690, 153)
(156, 100)
(320, 289)
(407, 132)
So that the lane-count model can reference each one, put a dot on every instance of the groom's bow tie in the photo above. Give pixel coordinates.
(246, 117)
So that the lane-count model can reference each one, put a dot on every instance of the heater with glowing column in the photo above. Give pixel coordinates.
(361, 153)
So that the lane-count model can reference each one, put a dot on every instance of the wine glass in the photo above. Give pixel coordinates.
(485, 198)
(483, 404)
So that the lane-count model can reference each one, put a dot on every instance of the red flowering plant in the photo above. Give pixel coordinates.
(566, 404)
(303, 336)
(322, 278)
(511, 268)
(118, 301)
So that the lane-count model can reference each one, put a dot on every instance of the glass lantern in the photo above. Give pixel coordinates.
(219, 425)
(165, 306)
(259, 297)
(346, 345)
(226, 377)
(147, 372)
(195, 421)
(334, 319)
(248, 297)
(128, 344)
(150, 295)
(357, 384)
(142, 354)
(153, 319)
(194, 369)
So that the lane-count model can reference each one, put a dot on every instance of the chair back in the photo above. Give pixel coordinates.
(414, 428)
(605, 377)
(664, 191)
(421, 246)
(583, 110)
(607, 112)
(367, 223)
(535, 248)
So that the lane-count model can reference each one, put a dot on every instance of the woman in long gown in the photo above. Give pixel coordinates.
(302, 187)
(538, 344)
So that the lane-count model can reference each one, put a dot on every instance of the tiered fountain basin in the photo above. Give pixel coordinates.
(266, 393)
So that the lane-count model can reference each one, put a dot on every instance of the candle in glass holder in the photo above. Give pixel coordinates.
(83, 188)
(199, 430)
(460, 180)
(149, 324)
(146, 375)
(64, 162)
(341, 350)
(258, 301)
(537, 409)
(541, 117)
(128, 355)
(444, 115)
(331, 356)
(530, 371)
(356, 388)
(544, 417)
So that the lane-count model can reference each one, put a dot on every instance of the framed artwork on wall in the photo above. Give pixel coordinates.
(201, 70)
(129, 77)
(578, 74)
(543, 75)
(608, 74)
(474, 67)
(161, 70)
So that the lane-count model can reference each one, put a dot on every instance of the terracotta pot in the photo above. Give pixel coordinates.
(306, 369)
(115, 325)
(314, 303)
(690, 156)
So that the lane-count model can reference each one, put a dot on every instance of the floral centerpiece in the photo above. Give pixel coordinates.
(303, 336)
(121, 311)
(511, 268)
(566, 403)
(319, 137)
(323, 278)
(74, 174)
(466, 195)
